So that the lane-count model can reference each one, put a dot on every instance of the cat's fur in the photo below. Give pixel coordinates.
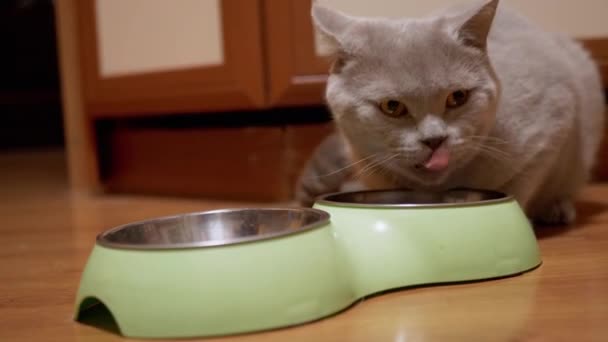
(536, 110)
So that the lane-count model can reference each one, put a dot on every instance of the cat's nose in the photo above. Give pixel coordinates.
(434, 142)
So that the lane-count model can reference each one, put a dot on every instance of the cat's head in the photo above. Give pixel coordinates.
(416, 93)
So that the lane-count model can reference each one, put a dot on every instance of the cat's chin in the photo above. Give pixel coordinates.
(430, 177)
(417, 176)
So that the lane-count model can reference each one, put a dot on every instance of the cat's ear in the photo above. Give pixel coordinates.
(331, 25)
(474, 32)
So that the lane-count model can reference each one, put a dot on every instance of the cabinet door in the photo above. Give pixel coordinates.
(160, 56)
(297, 73)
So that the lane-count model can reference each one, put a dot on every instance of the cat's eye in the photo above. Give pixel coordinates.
(457, 98)
(393, 108)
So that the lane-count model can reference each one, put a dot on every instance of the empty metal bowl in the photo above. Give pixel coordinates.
(396, 238)
(212, 228)
(217, 272)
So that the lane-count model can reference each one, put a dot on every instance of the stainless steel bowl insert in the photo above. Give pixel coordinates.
(410, 198)
(213, 228)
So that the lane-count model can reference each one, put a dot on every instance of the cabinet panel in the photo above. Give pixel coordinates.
(138, 36)
(241, 163)
(229, 79)
(250, 164)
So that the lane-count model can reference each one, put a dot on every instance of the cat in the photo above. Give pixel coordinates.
(474, 95)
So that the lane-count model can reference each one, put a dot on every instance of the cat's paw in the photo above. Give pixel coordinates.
(561, 212)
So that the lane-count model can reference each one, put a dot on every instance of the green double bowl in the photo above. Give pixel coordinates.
(245, 270)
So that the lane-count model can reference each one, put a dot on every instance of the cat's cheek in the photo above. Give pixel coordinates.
(454, 131)
(473, 122)
(484, 103)
(369, 116)
(339, 99)
(456, 134)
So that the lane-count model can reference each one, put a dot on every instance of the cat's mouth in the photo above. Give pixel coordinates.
(438, 161)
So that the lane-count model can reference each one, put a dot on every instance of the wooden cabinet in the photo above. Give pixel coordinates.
(244, 59)
(115, 46)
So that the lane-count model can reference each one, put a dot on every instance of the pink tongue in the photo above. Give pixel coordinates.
(439, 160)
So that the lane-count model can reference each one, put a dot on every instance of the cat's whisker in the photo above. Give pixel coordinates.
(404, 150)
(490, 148)
(378, 169)
(488, 138)
(364, 171)
(490, 141)
(493, 152)
(387, 175)
(359, 172)
(501, 157)
(347, 166)
(498, 161)
(498, 154)
(369, 169)
(503, 162)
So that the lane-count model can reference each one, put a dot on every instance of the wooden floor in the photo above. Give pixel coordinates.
(46, 234)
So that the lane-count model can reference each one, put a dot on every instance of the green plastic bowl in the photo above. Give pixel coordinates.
(216, 272)
(397, 238)
(244, 270)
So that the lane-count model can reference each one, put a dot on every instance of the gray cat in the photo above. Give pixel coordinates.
(472, 96)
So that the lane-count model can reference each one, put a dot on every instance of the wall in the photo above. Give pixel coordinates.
(581, 19)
